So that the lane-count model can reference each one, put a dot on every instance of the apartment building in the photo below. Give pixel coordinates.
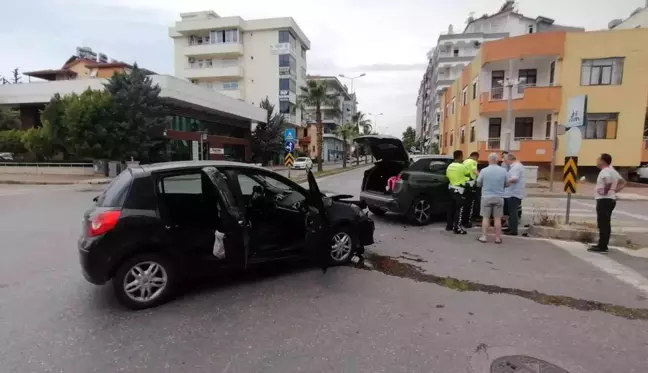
(332, 118)
(247, 60)
(454, 51)
(548, 69)
(637, 19)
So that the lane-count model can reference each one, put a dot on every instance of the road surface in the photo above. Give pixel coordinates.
(431, 302)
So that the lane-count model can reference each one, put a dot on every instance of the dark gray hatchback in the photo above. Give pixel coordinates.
(422, 189)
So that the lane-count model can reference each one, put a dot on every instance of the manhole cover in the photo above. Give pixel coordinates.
(523, 364)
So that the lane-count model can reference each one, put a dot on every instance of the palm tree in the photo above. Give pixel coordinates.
(316, 94)
(347, 132)
(361, 122)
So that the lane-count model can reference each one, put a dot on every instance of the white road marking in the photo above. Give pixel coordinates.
(616, 211)
(604, 263)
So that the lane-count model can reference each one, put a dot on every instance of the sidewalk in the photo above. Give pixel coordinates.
(40, 179)
(633, 192)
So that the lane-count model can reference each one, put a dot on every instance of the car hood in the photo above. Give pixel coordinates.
(384, 148)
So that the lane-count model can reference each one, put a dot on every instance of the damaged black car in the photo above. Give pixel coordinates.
(155, 225)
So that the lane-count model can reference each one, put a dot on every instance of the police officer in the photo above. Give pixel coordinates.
(457, 175)
(471, 192)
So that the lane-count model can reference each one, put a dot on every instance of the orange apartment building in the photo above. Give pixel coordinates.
(550, 68)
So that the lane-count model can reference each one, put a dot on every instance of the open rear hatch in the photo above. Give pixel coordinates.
(391, 159)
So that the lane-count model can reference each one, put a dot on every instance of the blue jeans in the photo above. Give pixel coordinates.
(513, 205)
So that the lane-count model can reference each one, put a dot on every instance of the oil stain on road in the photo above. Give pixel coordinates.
(392, 267)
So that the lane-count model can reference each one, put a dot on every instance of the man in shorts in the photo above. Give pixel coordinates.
(492, 180)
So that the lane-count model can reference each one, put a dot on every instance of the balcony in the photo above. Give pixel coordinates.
(290, 118)
(527, 149)
(525, 97)
(221, 50)
(233, 72)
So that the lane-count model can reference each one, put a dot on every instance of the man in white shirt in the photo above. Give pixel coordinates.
(608, 183)
(515, 192)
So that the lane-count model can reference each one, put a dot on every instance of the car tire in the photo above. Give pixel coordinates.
(377, 211)
(345, 239)
(163, 273)
(420, 213)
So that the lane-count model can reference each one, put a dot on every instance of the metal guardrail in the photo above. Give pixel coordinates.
(44, 164)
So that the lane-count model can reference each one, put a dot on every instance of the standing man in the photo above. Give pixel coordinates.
(493, 181)
(471, 190)
(515, 192)
(608, 184)
(456, 174)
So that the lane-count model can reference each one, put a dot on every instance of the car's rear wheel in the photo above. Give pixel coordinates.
(377, 211)
(342, 244)
(144, 281)
(420, 212)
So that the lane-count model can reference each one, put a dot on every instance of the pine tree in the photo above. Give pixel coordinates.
(141, 116)
(267, 137)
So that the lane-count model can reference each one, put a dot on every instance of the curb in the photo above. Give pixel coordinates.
(578, 235)
(580, 197)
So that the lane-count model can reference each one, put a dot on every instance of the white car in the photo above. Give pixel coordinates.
(303, 163)
(640, 174)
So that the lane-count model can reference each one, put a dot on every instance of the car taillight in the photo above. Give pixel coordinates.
(103, 222)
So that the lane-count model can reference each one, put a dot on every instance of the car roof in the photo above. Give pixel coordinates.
(179, 165)
(430, 156)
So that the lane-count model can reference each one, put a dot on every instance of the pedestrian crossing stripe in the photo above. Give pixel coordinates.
(570, 174)
(289, 160)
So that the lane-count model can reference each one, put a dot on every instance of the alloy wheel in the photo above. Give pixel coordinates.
(145, 281)
(422, 211)
(341, 246)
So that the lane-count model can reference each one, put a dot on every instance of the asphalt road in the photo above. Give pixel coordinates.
(432, 302)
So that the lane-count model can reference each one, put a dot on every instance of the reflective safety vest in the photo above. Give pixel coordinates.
(471, 167)
(456, 173)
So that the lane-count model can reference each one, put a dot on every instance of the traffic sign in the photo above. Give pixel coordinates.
(290, 146)
(576, 111)
(570, 174)
(290, 135)
(289, 160)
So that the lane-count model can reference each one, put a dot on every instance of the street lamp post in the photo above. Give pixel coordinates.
(509, 83)
(352, 78)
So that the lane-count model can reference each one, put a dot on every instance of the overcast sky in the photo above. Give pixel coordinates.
(387, 40)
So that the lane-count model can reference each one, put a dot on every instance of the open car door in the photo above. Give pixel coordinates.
(233, 220)
(318, 228)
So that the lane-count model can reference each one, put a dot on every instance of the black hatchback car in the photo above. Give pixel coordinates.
(156, 224)
(422, 190)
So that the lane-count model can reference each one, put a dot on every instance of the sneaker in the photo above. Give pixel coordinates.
(469, 225)
(596, 249)
(509, 233)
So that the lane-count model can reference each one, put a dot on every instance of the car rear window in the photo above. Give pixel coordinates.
(115, 194)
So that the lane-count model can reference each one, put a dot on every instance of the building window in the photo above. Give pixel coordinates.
(524, 128)
(287, 37)
(497, 85)
(451, 138)
(303, 73)
(474, 90)
(453, 105)
(606, 71)
(529, 77)
(462, 138)
(472, 132)
(230, 85)
(285, 107)
(455, 53)
(601, 126)
(530, 29)
(303, 52)
(464, 96)
(552, 72)
(548, 126)
(286, 60)
(288, 84)
(494, 128)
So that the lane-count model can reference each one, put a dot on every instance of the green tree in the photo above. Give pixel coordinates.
(11, 141)
(53, 126)
(409, 138)
(267, 137)
(315, 94)
(39, 143)
(91, 131)
(347, 132)
(434, 148)
(140, 116)
(9, 119)
(363, 125)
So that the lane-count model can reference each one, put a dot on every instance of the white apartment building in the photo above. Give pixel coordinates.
(637, 19)
(454, 51)
(247, 60)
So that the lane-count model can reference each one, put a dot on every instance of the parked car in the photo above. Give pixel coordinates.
(303, 163)
(156, 224)
(422, 190)
(639, 174)
(6, 156)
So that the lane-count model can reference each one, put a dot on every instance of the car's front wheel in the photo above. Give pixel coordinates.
(342, 244)
(144, 281)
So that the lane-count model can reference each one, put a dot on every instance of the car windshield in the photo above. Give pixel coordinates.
(301, 159)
